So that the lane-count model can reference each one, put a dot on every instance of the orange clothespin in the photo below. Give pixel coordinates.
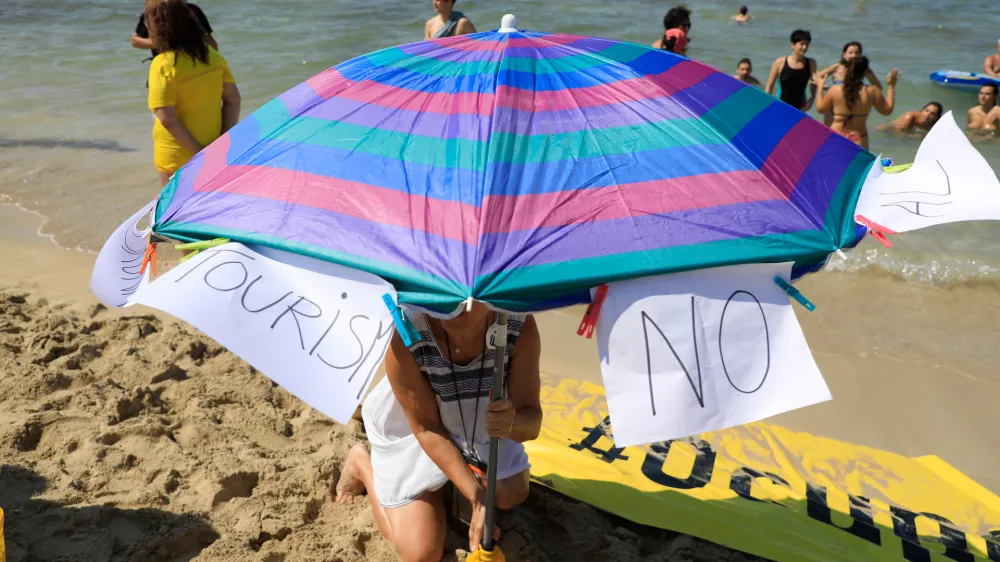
(589, 322)
(149, 258)
(876, 230)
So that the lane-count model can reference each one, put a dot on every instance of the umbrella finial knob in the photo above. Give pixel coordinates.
(508, 24)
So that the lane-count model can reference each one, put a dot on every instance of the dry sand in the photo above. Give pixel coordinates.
(130, 436)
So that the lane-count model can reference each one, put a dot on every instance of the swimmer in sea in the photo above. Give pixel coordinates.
(850, 52)
(676, 26)
(447, 22)
(793, 73)
(986, 115)
(915, 121)
(743, 16)
(852, 101)
(991, 65)
(744, 73)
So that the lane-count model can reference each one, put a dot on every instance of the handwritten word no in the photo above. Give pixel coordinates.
(745, 384)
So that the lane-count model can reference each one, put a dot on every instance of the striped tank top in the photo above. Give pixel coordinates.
(457, 391)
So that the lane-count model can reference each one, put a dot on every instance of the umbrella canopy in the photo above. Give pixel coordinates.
(522, 169)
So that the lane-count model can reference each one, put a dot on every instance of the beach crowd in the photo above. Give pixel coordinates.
(195, 100)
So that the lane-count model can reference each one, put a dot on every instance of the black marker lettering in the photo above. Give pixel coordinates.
(380, 335)
(323, 337)
(243, 299)
(699, 392)
(213, 254)
(295, 316)
(767, 343)
(361, 347)
(246, 274)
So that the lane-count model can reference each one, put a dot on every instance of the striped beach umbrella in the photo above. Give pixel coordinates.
(521, 169)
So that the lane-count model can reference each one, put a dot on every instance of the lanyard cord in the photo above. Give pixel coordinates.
(454, 382)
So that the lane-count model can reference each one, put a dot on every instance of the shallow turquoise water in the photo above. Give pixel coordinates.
(75, 132)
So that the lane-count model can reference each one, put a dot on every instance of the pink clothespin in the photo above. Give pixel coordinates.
(876, 230)
(589, 322)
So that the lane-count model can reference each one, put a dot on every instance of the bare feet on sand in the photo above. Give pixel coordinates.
(350, 484)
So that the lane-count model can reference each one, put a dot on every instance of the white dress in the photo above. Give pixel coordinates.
(402, 470)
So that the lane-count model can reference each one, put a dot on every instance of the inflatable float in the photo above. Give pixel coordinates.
(965, 81)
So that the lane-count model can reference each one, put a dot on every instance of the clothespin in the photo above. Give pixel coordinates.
(794, 293)
(406, 330)
(876, 230)
(886, 162)
(149, 258)
(589, 322)
(199, 246)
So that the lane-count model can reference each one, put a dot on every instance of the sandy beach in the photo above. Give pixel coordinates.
(126, 435)
(129, 435)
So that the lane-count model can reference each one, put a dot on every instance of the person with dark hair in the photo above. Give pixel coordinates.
(191, 91)
(851, 51)
(852, 101)
(430, 420)
(448, 22)
(792, 73)
(986, 115)
(140, 37)
(912, 121)
(744, 73)
(676, 26)
(743, 16)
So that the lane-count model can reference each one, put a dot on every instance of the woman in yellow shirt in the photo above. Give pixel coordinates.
(191, 91)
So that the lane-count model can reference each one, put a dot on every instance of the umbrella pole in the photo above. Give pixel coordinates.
(499, 359)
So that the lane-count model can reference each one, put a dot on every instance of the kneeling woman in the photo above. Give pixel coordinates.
(429, 422)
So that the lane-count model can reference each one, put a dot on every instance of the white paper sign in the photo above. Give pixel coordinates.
(318, 329)
(950, 181)
(692, 352)
(116, 272)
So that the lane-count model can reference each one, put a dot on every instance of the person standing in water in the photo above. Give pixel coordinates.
(744, 73)
(140, 37)
(991, 66)
(429, 421)
(852, 101)
(792, 73)
(447, 22)
(743, 16)
(986, 115)
(913, 121)
(851, 51)
(191, 91)
(676, 26)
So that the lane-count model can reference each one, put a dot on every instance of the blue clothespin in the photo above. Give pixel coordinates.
(886, 162)
(794, 293)
(406, 330)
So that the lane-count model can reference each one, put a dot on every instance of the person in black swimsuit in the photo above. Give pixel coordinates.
(794, 73)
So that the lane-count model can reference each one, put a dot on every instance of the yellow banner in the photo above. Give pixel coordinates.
(766, 490)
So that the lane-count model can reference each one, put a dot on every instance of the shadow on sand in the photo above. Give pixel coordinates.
(44, 530)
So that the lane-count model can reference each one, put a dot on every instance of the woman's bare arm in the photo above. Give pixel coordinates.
(772, 77)
(524, 383)
(872, 79)
(230, 106)
(167, 116)
(416, 397)
(887, 103)
(824, 100)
